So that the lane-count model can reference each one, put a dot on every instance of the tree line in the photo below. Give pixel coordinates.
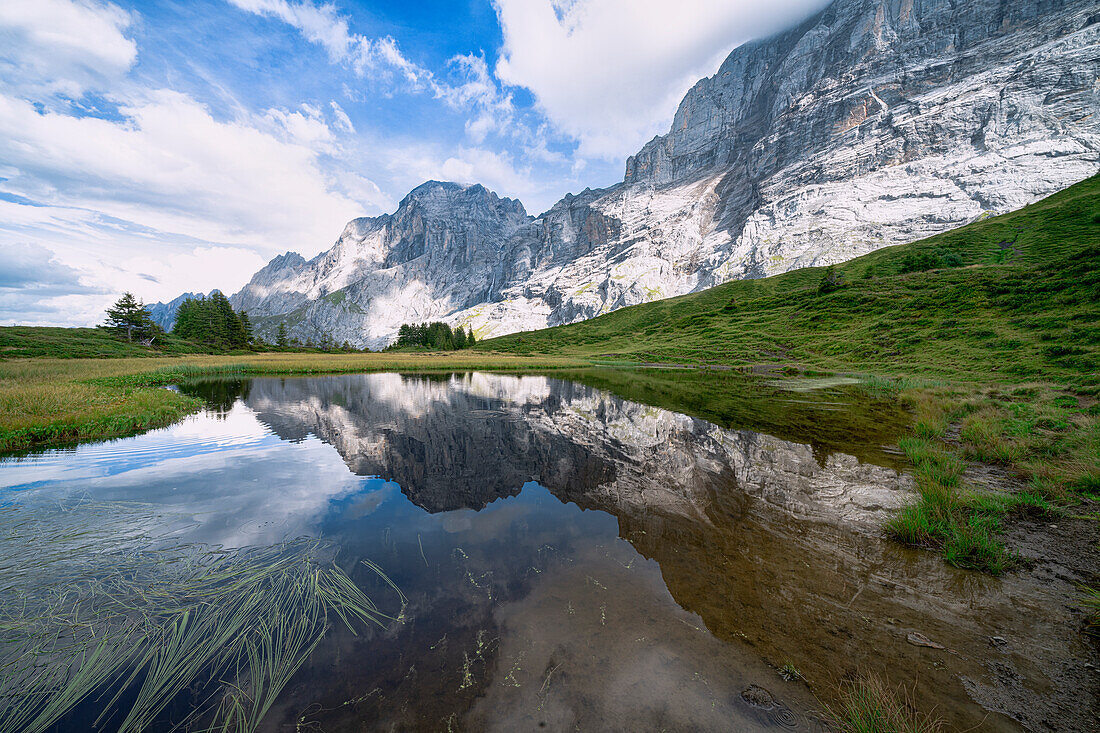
(213, 322)
(437, 336)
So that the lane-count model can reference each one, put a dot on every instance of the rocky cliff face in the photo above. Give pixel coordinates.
(438, 254)
(874, 123)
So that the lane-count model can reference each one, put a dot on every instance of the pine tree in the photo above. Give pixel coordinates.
(128, 315)
(280, 336)
(227, 329)
(246, 328)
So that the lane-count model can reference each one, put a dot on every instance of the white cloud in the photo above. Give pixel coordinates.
(476, 90)
(171, 166)
(611, 72)
(63, 266)
(321, 24)
(305, 126)
(472, 86)
(62, 46)
(342, 118)
(167, 200)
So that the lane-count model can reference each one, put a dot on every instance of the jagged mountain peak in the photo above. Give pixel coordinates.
(450, 198)
(287, 260)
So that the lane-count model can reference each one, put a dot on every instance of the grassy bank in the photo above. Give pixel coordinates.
(990, 334)
(52, 402)
(983, 455)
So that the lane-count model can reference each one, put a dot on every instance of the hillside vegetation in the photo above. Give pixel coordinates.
(22, 342)
(1014, 296)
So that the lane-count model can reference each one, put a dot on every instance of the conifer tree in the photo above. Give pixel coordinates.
(246, 328)
(280, 336)
(128, 315)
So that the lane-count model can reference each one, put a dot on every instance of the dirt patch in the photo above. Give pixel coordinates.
(1065, 547)
(991, 477)
(1061, 553)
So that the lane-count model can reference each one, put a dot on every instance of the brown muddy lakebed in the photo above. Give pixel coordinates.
(540, 553)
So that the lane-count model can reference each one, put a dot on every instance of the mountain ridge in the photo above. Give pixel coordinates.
(875, 122)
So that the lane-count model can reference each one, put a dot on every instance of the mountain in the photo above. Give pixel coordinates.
(164, 314)
(876, 122)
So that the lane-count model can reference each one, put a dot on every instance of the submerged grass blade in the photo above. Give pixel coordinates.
(94, 606)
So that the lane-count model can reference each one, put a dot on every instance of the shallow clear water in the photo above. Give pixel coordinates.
(565, 559)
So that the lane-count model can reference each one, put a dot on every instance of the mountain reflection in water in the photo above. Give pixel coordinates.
(499, 505)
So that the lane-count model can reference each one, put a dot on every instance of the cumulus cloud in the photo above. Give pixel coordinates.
(31, 268)
(64, 47)
(476, 90)
(611, 72)
(172, 166)
(35, 285)
(342, 118)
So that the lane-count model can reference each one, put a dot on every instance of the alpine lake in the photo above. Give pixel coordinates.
(601, 550)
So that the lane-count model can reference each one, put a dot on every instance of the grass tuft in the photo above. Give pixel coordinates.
(870, 705)
(1091, 603)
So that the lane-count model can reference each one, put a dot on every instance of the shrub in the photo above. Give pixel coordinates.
(952, 259)
(919, 262)
(830, 281)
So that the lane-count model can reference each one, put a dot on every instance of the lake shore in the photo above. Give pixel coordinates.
(47, 402)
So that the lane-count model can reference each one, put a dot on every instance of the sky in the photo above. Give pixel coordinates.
(175, 146)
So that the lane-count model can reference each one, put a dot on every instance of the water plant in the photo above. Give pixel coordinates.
(102, 607)
(789, 672)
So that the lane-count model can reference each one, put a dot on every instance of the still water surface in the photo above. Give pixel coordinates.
(540, 554)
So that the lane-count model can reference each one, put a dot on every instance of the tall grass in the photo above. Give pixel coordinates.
(98, 606)
(1044, 442)
(1091, 603)
(870, 705)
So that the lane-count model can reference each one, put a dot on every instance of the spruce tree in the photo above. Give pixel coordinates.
(246, 328)
(280, 336)
(128, 315)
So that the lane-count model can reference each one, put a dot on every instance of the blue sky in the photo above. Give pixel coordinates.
(164, 147)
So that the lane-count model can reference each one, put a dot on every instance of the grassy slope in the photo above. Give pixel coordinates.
(1025, 305)
(21, 342)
